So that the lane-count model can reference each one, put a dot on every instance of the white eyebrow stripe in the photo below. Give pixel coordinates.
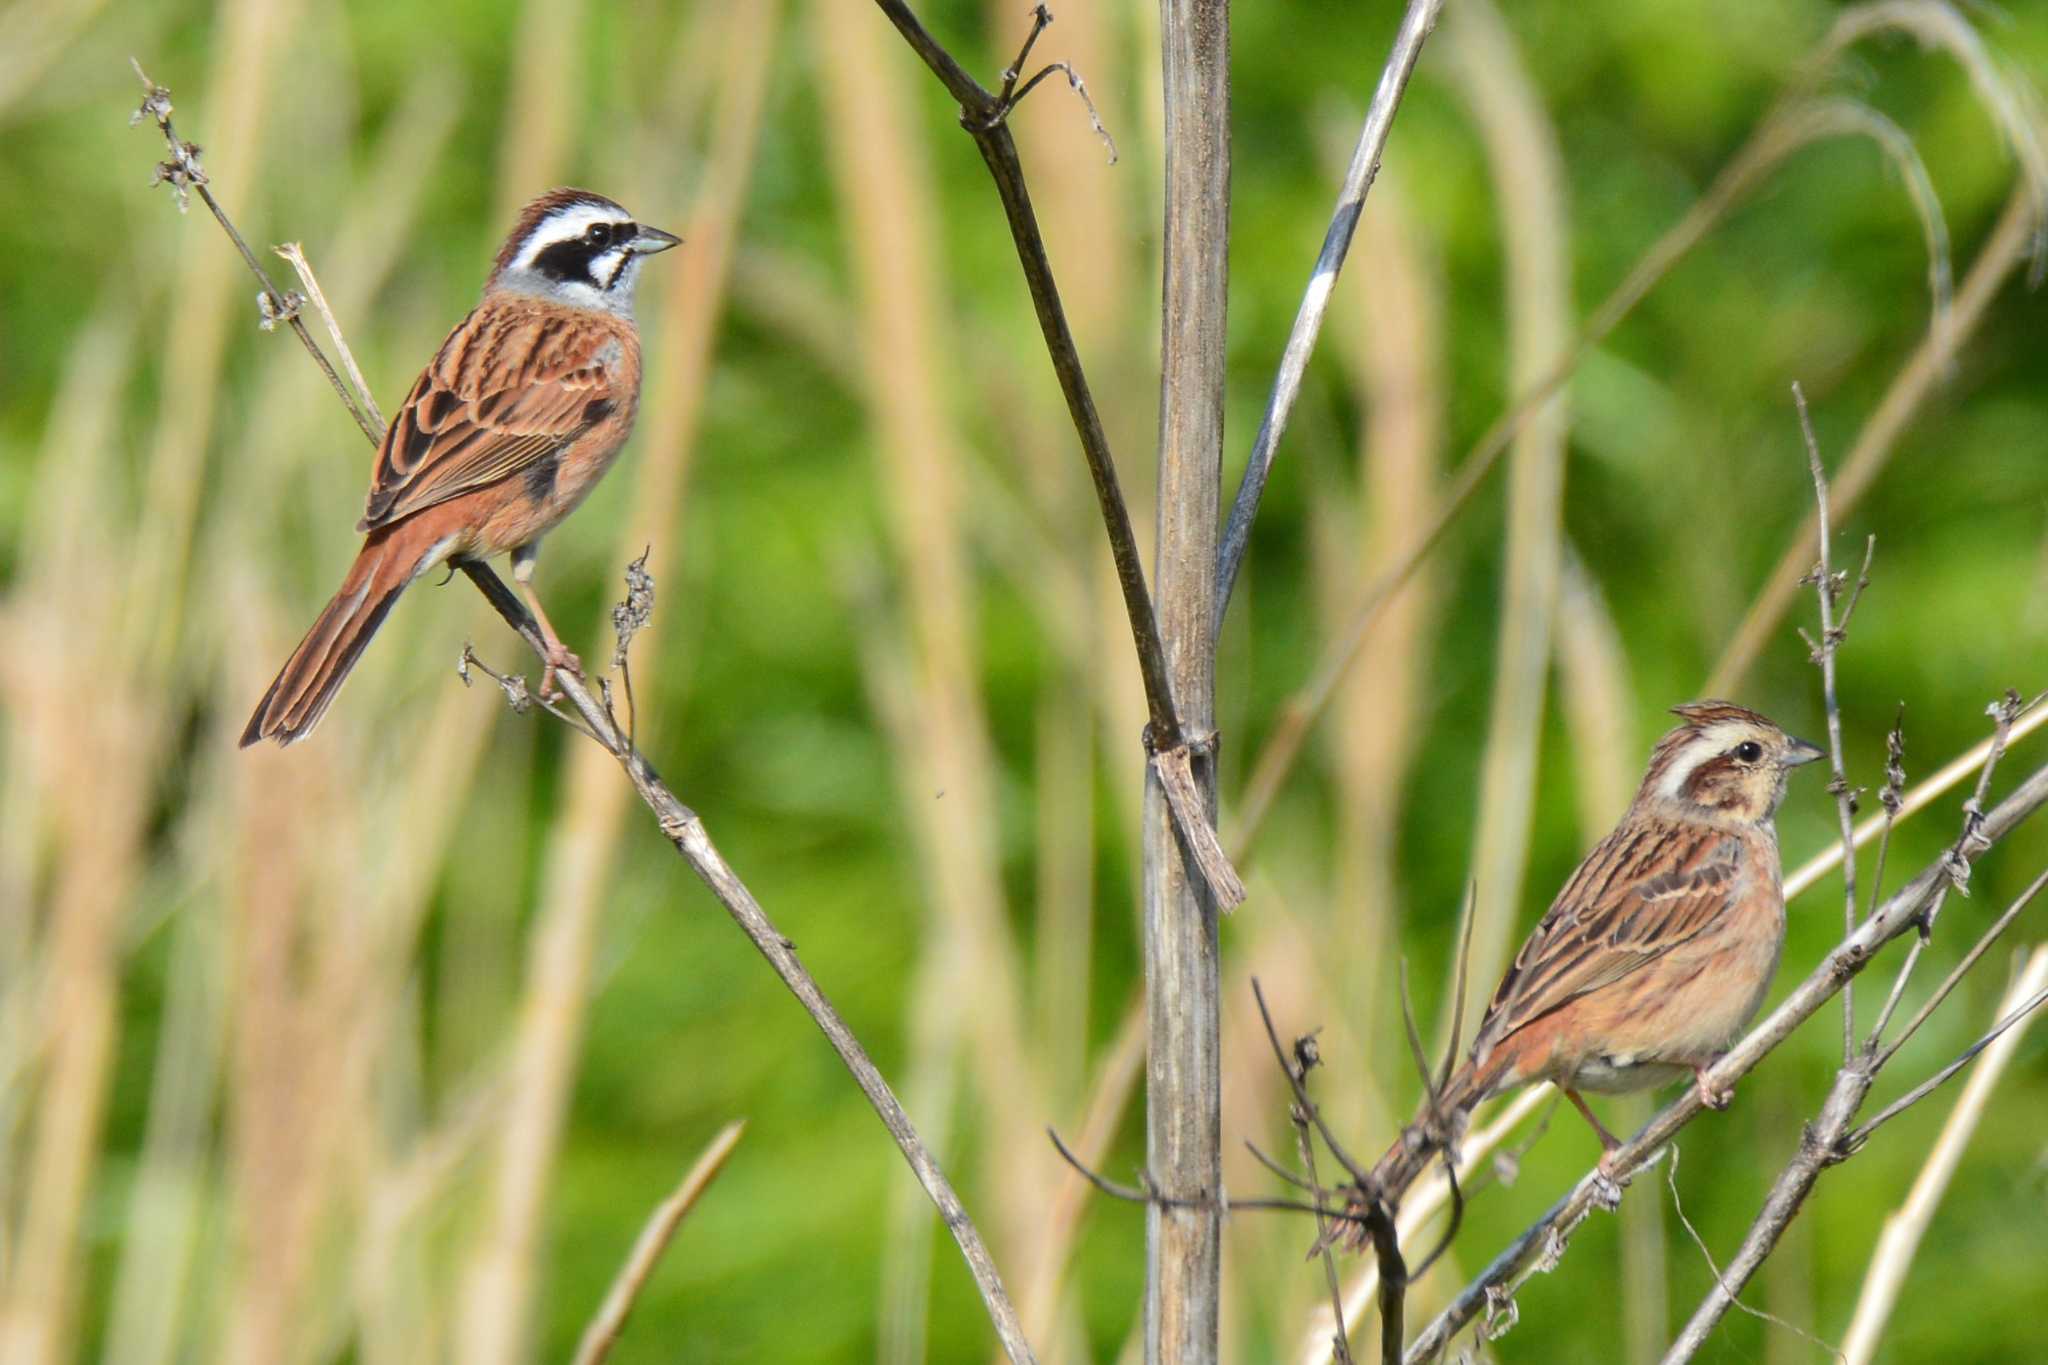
(563, 225)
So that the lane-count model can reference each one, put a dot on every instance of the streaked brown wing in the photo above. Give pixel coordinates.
(1643, 892)
(508, 389)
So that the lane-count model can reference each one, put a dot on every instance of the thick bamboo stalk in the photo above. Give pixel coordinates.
(1183, 1080)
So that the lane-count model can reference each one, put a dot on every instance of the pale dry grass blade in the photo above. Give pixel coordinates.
(543, 102)
(101, 854)
(57, 1008)
(1598, 700)
(1528, 176)
(1040, 1294)
(661, 1227)
(1906, 1227)
(1999, 258)
(497, 1282)
(286, 1140)
(946, 768)
(177, 1180)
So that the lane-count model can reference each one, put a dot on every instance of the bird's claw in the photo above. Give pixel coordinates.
(560, 660)
(1709, 1096)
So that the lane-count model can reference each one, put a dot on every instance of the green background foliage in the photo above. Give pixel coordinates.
(788, 625)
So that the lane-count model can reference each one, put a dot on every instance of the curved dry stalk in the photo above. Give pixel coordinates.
(603, 1331)
(1527, 170)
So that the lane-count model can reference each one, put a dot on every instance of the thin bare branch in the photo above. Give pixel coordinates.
(1938, 1079)
(295, 254)
(1416, 26)
(1920, 797)
(1956, 974)
(1826, 588)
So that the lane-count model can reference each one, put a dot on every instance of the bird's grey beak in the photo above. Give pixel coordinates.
(649, 240)
(1802, 752)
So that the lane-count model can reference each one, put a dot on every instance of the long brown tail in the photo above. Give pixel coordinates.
(309, 680)
(1421, 1140)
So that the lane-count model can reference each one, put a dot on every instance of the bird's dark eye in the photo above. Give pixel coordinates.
(1749, 751)
(600, 234)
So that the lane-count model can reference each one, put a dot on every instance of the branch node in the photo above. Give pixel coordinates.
(272, 309)
(1501, 1312)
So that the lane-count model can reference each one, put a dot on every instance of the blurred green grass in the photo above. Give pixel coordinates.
(1684, 483)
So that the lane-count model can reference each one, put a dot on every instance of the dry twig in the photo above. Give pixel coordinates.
(604, 1329)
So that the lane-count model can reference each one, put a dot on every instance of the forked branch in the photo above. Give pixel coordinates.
(984, 115)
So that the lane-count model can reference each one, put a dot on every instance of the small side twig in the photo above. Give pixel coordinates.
(187, 176)
(295, 254)
(604, 1329)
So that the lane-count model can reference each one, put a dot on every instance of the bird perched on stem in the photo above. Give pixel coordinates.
(518, 415)
(1657, 952)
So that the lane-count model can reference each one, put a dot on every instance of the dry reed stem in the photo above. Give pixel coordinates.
(1039, 1296)
(33, 35)
(118, 733)
(576, 867)
(58, 1003)
(1533, 229)
(289, 1145)
(1184, 1103)
(1173, 743)
(1906, 1226)
(603, 1331)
